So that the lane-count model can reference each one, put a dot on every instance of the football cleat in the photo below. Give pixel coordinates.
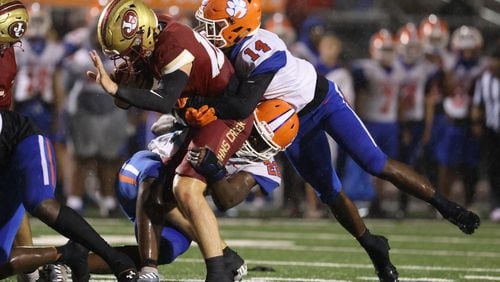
(378, 250)
(235, 264)
(129, 275)
(466, 221)
(148, 277)
(53, 273)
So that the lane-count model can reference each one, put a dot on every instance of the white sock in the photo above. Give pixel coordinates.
(75, 202)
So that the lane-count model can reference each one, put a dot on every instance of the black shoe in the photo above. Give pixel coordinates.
(466, 221)
(378, 250)
(75, 256)
(129, 275)
(235, 264)
(123, 267)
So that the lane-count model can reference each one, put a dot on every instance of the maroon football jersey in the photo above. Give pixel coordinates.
(211, 70)
(7, 75)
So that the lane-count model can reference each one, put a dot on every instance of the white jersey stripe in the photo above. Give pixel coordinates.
(496, 112)
(130, 168)
(277, 123)
(43, 160)
(1, 124)
(362, 124)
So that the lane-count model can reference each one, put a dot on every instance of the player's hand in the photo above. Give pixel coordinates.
(181, 103)
(163, 125)
(200, 117)
(100, 75)
(206, 163)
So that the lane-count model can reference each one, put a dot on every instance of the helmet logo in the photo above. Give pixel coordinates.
(236, 8)
(129, 24)
(17, 29)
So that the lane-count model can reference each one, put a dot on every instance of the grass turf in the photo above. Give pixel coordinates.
(320, 250)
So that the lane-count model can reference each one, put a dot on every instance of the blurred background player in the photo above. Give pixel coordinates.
(377, 82)
(435, 37)
(416, 72)
(458, 149)
(485, 122)
(97, 129)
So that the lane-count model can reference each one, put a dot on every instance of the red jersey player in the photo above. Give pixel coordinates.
(185, 64)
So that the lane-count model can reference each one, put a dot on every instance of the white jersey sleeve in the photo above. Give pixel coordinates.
(343, 79)
(295, 79)
(266, 174)
(168, 144)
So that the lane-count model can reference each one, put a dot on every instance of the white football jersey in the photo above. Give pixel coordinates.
(380, 102)
(35, 71)
(264, 51)
(266, 173)
(412, 89)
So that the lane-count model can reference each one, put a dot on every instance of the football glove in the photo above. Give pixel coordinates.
(205, 162)
(200, 117)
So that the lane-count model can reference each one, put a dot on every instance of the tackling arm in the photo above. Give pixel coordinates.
(239, 98)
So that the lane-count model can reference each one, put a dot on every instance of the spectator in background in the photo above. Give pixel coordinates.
(97, 130)
(485, 111)
(310, 33)
(458, 149)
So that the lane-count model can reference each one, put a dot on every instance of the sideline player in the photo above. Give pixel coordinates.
(262, 62)
(185, 64)
(27, 179)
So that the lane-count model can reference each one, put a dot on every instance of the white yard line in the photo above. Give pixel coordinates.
(413, 279)
(482, 277)
(285, 245)
(346, 237)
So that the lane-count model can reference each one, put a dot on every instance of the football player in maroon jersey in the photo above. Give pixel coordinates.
(185, 64)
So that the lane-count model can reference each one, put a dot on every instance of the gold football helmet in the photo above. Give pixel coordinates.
(13, 22)
(127, 29)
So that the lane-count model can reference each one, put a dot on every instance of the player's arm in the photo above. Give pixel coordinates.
(160, 100)
(239, 98)
(227, 191)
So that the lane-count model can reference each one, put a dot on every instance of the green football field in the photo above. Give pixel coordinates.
(320, 250)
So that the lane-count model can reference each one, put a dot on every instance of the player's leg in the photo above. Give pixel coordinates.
(24, 238)
(224, 138)
(340, 121)
(34, 162)
(310, 156)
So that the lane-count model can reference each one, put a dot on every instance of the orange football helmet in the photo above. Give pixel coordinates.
(279, 24)
(409, 45)
(434, 33)
(382, 47)
(275, 126)
(226, 22)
